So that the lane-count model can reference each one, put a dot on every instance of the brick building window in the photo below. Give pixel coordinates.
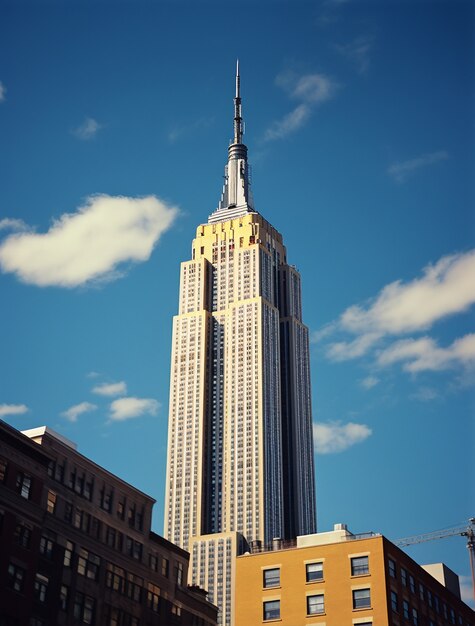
(153, 562)
(46, 547)
(3, 470)
(271, 577)
(68, 554)
(271, 610)
(82, 520)
(394, 602)
(392, 568)
(313, 571)
(23, 485)
(16, 577)
(361, 598)
(153, 597)
(415, 617)
(68, 512)
(64, 598)
(134, 586)
(23, 535)
(359, 566)
(165, 567)
(41, 587)
(403, 577)
(179, 573)
(51, 502)
(115, 578)
(316, 604)
(88, 564)
(106, 499)
(133, 548)
(111, 535)
(84, 608)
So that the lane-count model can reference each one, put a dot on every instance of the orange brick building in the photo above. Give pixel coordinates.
(340, 579)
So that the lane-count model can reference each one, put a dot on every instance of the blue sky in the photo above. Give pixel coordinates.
(114, 124)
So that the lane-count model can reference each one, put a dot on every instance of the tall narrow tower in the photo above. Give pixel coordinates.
(240, 452)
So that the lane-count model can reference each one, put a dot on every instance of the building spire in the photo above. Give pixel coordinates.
(238, 131)
(236, 197)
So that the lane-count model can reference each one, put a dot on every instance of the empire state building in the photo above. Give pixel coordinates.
(240, 468)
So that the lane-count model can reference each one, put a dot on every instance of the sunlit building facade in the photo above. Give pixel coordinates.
(240, 454)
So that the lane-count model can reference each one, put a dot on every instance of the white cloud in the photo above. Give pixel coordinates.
(9, 223)
(89, 245)
(75, 411)
(110, 389)
(3, 91)
(446, 288)
(311, 90)
(358, 51)
(87, 130)
(128, 408)
(336, 437)
(424, 354)
(369, 382)
(402, 170)
(13, 409)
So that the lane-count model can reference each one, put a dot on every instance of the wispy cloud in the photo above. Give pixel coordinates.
(3, 91)
(92, 374)
(9, 223)
(329, 13)
(424, 354)
(402, 170)
(309, 90)
(76, 410)
(425, 394)
(13, 409)
(111, 389)
(87, 130)
(129, 408)
(336, 437)
(369, 382)
(358, 52)
(89, 245)
(182, 131)
(346, 350)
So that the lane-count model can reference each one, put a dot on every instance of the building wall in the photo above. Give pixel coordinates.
(76, 545)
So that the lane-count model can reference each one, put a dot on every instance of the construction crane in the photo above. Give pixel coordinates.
(464, 531)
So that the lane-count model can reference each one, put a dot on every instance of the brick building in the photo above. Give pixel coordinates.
(76, 544)
(340, 579)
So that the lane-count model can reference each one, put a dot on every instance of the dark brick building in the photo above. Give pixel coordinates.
(76, 545)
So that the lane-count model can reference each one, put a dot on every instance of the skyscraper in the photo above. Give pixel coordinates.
(240, 452)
